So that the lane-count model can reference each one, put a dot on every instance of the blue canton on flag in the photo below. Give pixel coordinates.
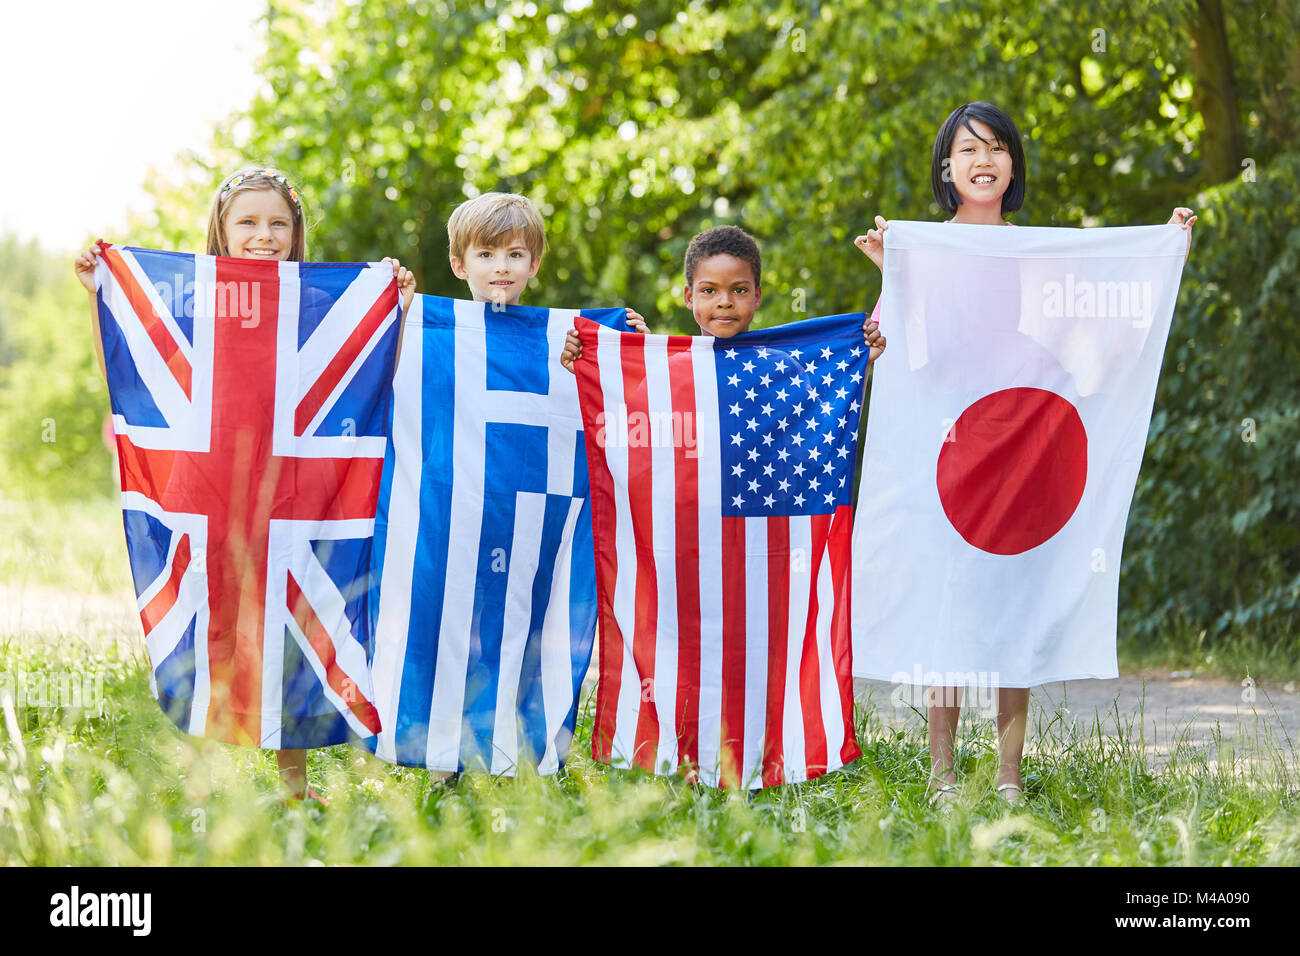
(788, 443)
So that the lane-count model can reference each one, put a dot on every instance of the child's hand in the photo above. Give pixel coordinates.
(1183, 217)
(876, 341)
(572, 350)
(573, 345)
(405, 283)
(873, 243)
(85, 265)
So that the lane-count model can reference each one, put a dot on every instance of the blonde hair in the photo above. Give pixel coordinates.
(492, 218)
(243, 180)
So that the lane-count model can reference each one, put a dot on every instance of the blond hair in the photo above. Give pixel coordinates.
(243, 180)
(489, 220)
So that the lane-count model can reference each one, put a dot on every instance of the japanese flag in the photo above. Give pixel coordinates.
(1007, 425)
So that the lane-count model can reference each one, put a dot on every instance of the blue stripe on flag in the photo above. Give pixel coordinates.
(514, 461)
(517, 359)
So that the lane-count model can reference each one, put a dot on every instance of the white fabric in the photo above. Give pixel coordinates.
(970, 311)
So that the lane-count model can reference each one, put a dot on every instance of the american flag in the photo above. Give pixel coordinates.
(487, 597)
(722, 485)
(249, 402)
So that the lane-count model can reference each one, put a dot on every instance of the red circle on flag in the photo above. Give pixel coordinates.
(1012, 469)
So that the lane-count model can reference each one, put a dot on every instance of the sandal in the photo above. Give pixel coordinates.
(1015, 801)
(943, 797)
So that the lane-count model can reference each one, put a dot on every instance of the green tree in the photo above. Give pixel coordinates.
(634, 125)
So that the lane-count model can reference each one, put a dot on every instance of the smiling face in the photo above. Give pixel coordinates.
(497, 273)
(723, 295)
(981, 168)
(258, 224)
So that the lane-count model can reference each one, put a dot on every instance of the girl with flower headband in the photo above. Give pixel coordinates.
(256, 214)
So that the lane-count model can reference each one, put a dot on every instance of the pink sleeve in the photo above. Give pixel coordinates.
(875, 313)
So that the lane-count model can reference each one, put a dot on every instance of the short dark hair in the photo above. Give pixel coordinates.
(945, 194)
(724, 240)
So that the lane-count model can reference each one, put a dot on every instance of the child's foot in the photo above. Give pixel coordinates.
(1012, 793)
(446, 779)
(942, 794)
(296, 799)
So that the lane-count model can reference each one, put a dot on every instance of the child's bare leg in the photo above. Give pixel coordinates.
(293, 771)
(1013, 717)
(944, 711)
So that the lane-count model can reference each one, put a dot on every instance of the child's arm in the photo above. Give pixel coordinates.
(873, 243)
(406, 289)
(573, 345)
(85, 266)
(873, 247)
(1183, 217)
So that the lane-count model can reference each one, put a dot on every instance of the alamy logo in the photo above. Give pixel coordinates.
(102, 909)
(1085, 299)
(639, 429)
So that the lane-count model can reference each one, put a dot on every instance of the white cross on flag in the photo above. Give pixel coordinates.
(1006, 429)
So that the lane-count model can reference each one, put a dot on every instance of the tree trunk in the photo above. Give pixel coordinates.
(1214, 93)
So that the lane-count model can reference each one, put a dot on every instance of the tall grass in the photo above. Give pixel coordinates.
(120, 785)
(124, 787)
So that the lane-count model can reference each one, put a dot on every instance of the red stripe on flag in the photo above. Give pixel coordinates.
(245, 362)
(324, 386)
(346, 487)
(603, 528)
(154, 326)
(810, 698)
(733, 585)
(165, 599)
(318, 637)
(841, 550)
(686, 471)
(640, 475)
(778, 641)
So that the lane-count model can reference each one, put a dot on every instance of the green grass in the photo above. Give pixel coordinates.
(126, 788)
(78, 545)
(1272, 655)
(123, 786)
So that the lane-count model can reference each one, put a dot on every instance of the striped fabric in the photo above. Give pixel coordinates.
(722, 482)
(485, 614)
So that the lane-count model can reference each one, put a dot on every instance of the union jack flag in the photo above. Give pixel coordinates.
(721, 490)
(249, 401)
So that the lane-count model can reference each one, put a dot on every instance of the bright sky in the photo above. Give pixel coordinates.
(94, 92)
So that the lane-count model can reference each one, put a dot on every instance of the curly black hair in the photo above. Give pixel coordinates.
(728, 240)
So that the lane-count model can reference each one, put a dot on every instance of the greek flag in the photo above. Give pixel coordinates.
(484, 608)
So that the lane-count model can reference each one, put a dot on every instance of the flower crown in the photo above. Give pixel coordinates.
(261, 173)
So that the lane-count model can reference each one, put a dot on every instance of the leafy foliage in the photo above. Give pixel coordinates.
(635, 125)
(1214, 533)
(52, 397)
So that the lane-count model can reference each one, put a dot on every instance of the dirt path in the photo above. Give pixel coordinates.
(1193, 718)
(1184, 718)
(42, 614)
